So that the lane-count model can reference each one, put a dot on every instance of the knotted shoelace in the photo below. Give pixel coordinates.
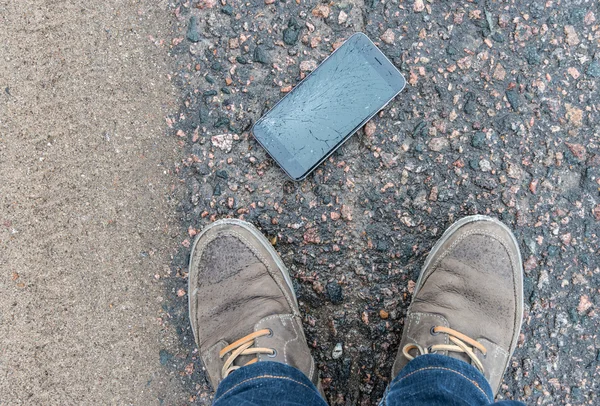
(461, 343)
(242, 347)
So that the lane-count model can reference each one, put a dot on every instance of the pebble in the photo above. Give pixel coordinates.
(478, 140)
(260, 56)
(574, 115)
(438, 144)
(346, 212)
(485, 165)
(342, 17)
(383, 314)
(334, 291)
(593, 69)
(370, 128)
(164, 356)
(571, 35)
(192, 32)
(308, 66)
(418, 6)
(499, 72)
(227, 9)
(292, 32)
(223, 141)
(513, 99)
(337, 352)
(321, 11)
(388, 36)
(596, 212)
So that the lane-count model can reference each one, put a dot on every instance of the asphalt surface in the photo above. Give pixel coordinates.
(500, 117)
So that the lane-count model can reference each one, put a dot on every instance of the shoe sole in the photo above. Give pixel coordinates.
(259, 236)
(449, 232)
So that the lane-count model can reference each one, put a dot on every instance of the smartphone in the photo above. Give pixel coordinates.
(328, 106)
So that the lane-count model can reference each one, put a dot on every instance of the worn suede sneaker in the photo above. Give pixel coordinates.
(468, 301)
(242, 304)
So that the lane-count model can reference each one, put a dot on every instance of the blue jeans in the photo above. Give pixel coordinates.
(432, 380)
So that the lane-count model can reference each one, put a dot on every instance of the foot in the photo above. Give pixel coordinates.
(468, 301)
(242, 305)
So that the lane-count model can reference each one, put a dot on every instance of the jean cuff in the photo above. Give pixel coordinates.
(432, 368)
(270, 381)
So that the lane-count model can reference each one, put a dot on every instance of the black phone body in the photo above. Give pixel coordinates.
(328, 106)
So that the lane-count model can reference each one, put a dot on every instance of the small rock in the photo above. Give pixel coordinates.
(433, 195)
(514, 171)
(192, 32)
(383, 314)
(513, 99)
(388, 36)
(370, 128)
(311, 235)
(234, 43)
(202, 4)
(321, 11)
(269, 2)
(342, 17)
(593, 69)
(164, 357)
(498, 37)
(223, 141)
(438, 144)
(346, 212)
(573, 72)
(578, 150)
(543, 280)
(418, 6)
(334, 291)
(485, 165)
(318, 287)
(307, 66)
(574, 115)
(292, 32)
(499, 72)
(530, 264)
(584, 304)
(465, 63)
(589, 18)
(227, 9)
(260, 56)
(571, 35)
(337, 351)
(596, 212)
(478, 140)
(533, 56)
(365, 317)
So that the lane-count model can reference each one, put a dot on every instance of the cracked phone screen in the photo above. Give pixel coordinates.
(329, 105)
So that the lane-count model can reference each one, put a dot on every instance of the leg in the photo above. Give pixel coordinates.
(268, 383)
(244, 313)
(464, 321)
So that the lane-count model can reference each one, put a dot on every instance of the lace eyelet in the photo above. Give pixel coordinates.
(433, 332)
(272, 355)
(270, 333)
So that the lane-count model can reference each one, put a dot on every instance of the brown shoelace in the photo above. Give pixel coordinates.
(242, 347)
(461, 344)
